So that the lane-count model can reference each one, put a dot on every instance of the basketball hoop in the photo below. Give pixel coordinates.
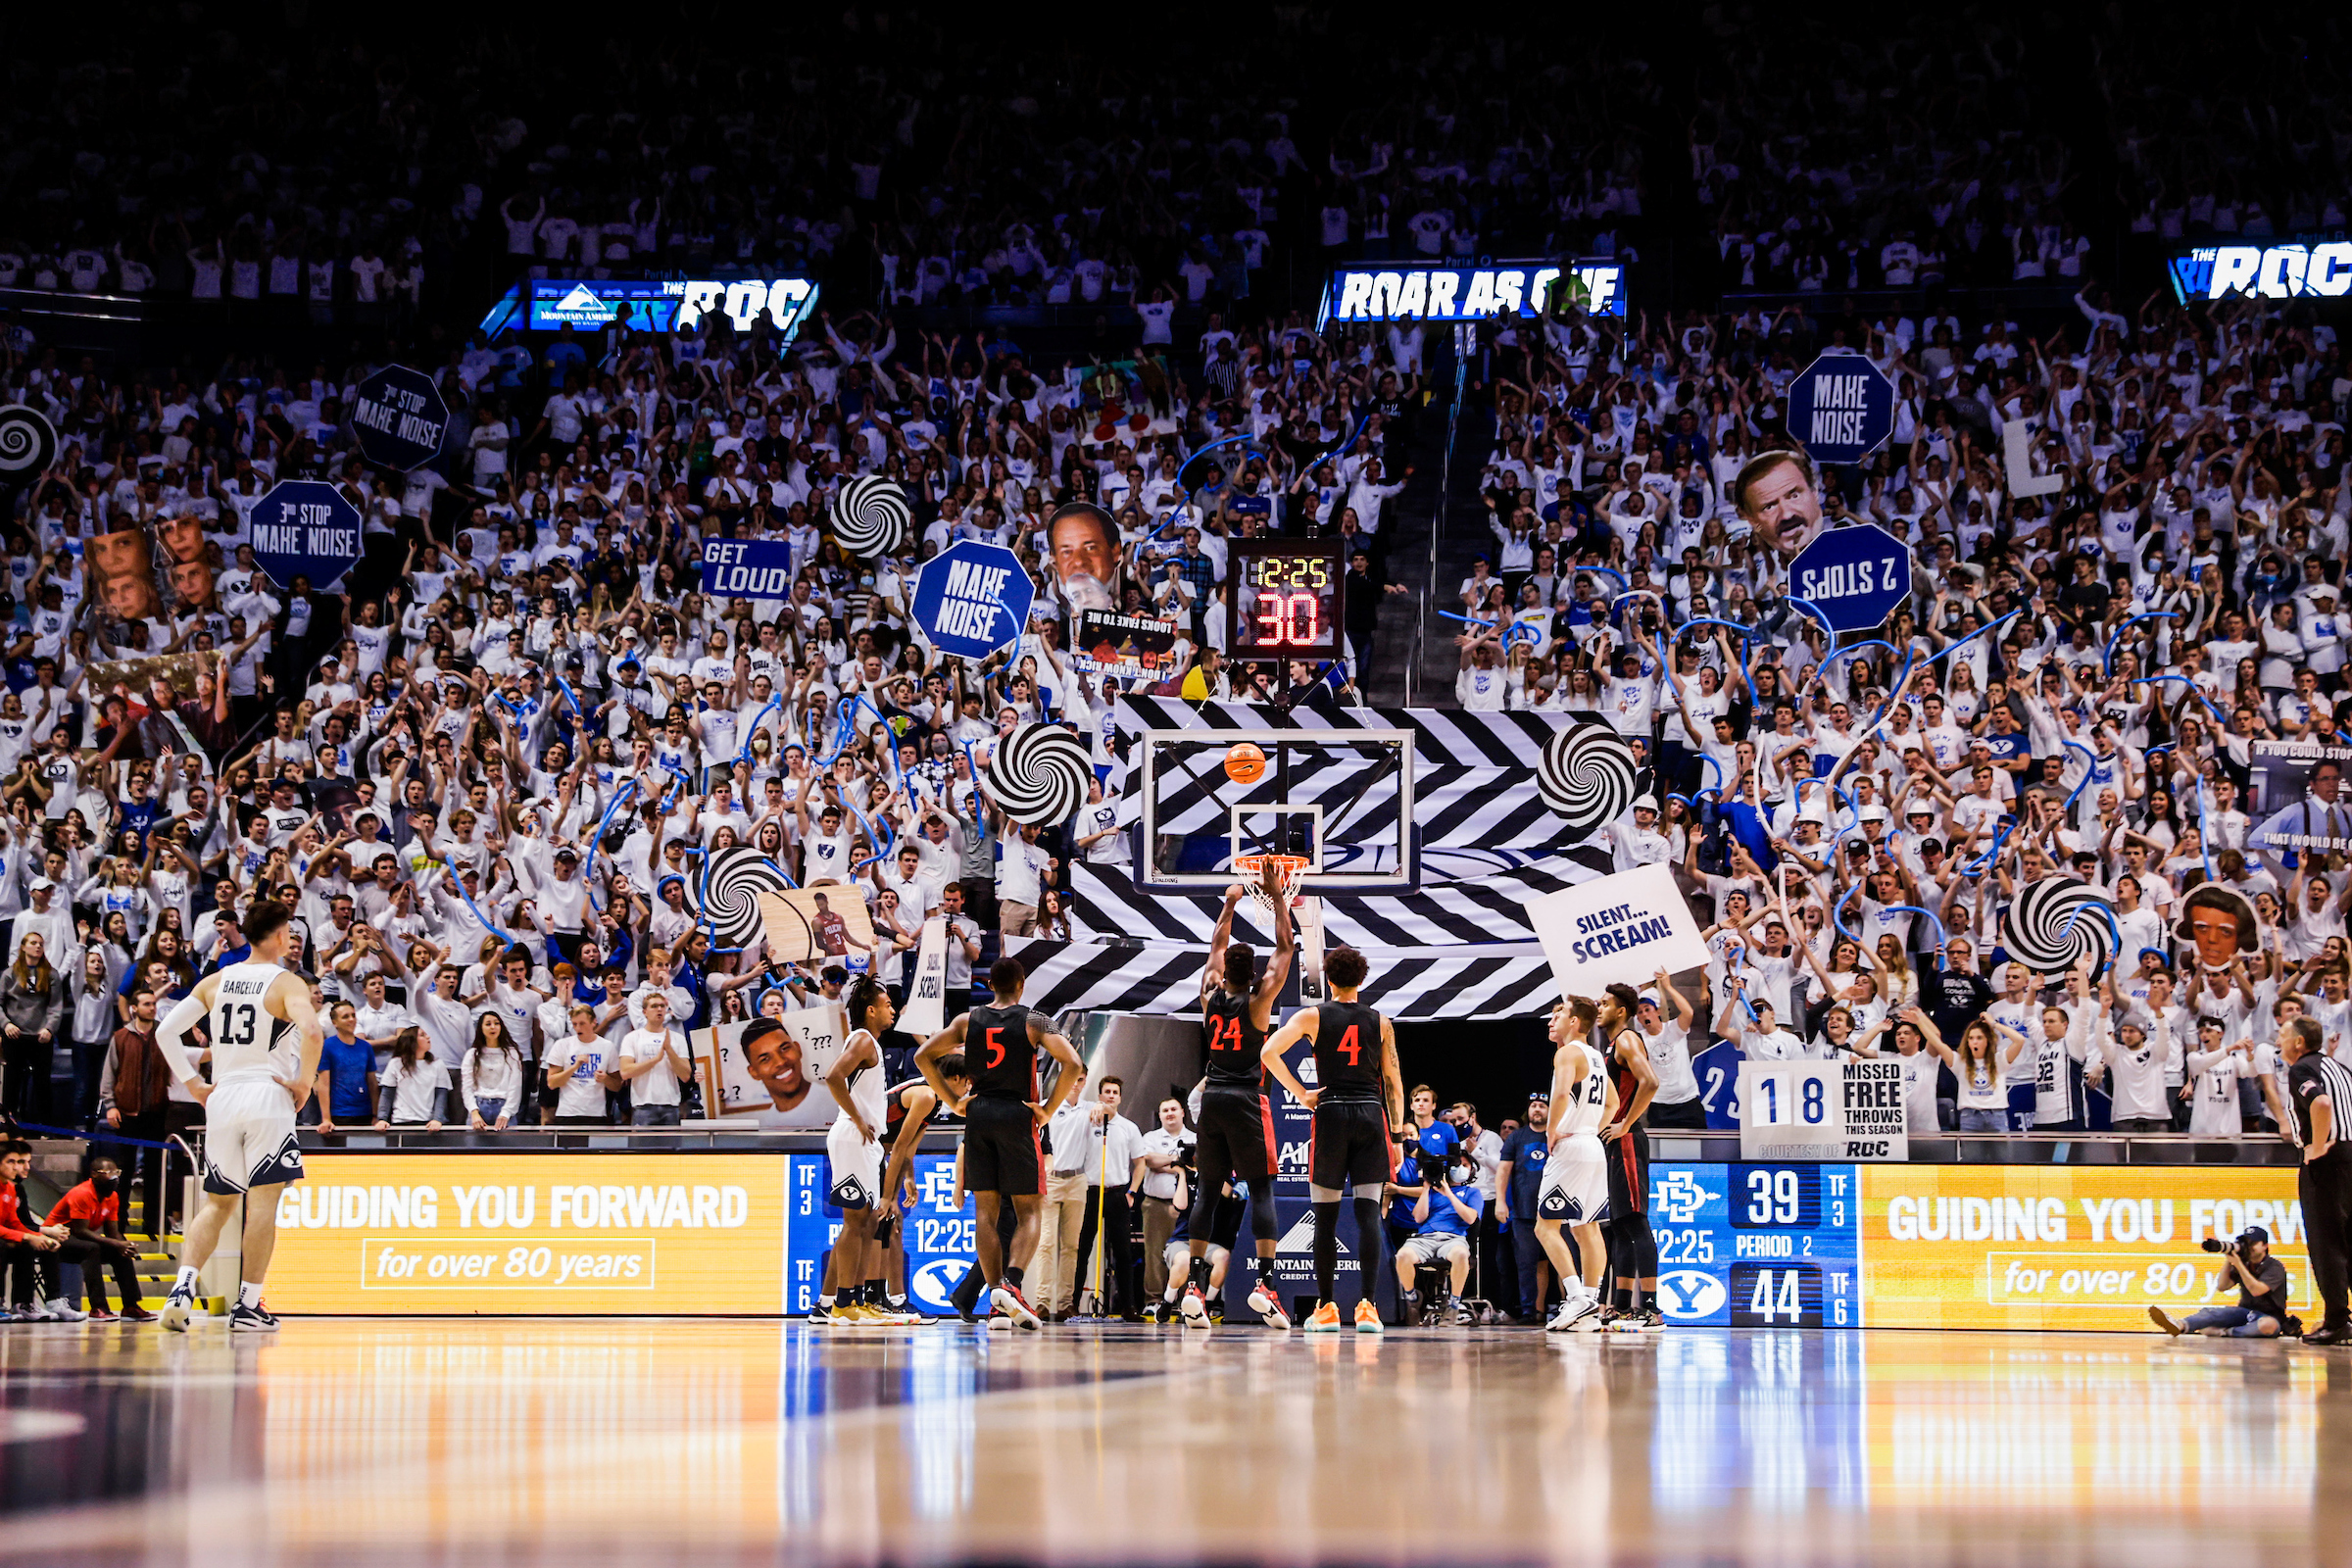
(1289, 870)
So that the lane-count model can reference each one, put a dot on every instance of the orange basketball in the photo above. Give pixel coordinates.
(1245, 764)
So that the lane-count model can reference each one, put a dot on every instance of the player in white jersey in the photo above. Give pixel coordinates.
(854, 1159)
(266, 1041)
(1575, 1195)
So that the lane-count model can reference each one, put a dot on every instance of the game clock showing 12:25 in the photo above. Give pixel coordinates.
(1286, 602)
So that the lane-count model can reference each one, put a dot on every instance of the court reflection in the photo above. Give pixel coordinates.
(536, 1441)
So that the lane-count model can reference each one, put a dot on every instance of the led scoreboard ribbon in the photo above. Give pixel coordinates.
(1758, 1246)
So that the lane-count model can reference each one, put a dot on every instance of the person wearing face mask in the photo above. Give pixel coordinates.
(92, 1214)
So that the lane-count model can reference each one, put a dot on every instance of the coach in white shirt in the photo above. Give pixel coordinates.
(1091, 1140)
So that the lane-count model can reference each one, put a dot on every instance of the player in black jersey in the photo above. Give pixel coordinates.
(1237, 1125)
(1632, 1246)
(1359, 1105)
(1001, 1155)
(907, 1108)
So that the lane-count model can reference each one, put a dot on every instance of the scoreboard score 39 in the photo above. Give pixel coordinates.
(1286, 598)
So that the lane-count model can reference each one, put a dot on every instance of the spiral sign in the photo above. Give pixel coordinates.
(1587, 775)
(725, 895)
(28, 444)
(1039, 775)
(2054, 922)
(871, 517)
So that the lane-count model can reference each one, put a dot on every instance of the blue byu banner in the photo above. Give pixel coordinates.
(1407, 292)
(306, 528)
(973, 599)
(2289, 272)
(747, 568)
(1854, 575)
(398, 418)
(1841, 407)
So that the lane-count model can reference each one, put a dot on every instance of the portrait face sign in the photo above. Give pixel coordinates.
(774, 1076)
(122, 571)
(2221, 923)
(192, 585)
(182, 538)
(1082, 556)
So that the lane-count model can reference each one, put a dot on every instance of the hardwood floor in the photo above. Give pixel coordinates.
(361, 1441)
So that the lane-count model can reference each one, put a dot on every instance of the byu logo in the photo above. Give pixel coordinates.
(1559, 1205)
(849, 1193)
(1687, 1293)
(935, 1282)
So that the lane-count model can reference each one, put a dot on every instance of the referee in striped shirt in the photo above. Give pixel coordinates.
(2319, 1088)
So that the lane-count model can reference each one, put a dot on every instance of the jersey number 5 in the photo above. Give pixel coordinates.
(1348, 1043)
(995, 1048)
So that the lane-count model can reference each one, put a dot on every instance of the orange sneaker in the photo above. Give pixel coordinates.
(1367, 1319)
(1325, 1319)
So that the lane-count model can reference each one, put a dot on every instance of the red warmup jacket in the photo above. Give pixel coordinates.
(13, 1214)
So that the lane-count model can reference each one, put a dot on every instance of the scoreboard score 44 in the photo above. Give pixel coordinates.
(1286, 599)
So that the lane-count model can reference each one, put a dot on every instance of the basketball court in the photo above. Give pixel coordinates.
(356, 1441)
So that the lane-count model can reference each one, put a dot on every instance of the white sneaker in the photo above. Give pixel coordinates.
(37, 1311)
(1193, 1307)
(1268, 1306)
(64, 1311)
(179, 1309)
(1578, 1315)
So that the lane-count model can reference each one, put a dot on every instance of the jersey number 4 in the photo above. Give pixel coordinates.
(237, 1023)
(1348, 1044)
(1225, 1034)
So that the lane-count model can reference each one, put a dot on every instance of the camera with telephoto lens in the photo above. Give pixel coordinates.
(2214, 1244)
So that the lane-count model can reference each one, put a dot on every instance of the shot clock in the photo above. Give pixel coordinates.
(1286, 599)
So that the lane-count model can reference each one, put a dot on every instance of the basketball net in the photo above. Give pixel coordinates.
(1307, 914)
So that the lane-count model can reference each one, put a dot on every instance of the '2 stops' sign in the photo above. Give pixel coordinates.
(1841, 407)
(973, 599)
(1853, 575)
(398, 418)
(306, 528)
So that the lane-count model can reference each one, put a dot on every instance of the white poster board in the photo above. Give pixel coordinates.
(1842, 1109)
(1622, 928)
(777, 1080)
(927, 991)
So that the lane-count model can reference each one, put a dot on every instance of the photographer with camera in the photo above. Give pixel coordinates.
(1447, 1209)
(1168, 1158)
(2261, 1281)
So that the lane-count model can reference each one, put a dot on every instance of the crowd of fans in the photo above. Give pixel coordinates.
(431, 761)
(2096, 643)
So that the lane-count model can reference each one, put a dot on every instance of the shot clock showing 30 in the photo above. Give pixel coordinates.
(1287, 603)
